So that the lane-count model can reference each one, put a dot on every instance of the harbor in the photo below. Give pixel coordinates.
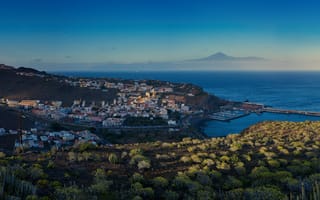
(248, 108)
(228, 115)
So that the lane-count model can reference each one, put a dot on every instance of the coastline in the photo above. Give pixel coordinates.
(205, 107)
(198, 123)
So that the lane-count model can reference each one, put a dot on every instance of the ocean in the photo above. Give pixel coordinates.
(287, 90)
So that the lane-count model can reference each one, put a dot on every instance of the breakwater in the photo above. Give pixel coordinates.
(284, 111)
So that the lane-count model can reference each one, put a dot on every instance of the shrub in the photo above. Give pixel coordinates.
(231, 183)
(247, 157)
(224, 158)
(42, 183)
(171, 195)
(185, 159)
(241, 170)
(160, 182)
(36, 173)
(137, 158)
(223, 166)
(136, 177)
(208, 162)
(196, 159)
(86, 155)
(264, 193)
(2, 155)
(72, 156)
(50, 164)
(144, 164)
(124, 154)
(234, 194)
(205, 195)
(69, 193)
(273, 163)
(86, 146)
(203, 179)
(134, 152)
(180, 181)
(257, 171)
(112, 158)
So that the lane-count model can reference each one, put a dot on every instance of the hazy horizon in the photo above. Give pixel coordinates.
(159, 35)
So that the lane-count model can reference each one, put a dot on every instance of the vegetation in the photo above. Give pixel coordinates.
(271, 160)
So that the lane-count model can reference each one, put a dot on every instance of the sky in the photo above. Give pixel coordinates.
(122, 34)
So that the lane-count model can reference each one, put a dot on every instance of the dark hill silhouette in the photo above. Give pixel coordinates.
(45, 87)
(30, 70)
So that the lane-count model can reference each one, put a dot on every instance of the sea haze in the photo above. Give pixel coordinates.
(288, 90)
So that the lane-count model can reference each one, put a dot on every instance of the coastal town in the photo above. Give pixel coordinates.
(137, 99)
(137, 104)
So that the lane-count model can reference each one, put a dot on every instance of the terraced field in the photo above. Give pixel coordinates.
(270, 160)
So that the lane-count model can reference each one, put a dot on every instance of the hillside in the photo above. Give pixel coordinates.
(26, 83)
(270, 160)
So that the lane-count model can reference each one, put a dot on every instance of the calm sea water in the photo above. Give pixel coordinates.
(291, 90)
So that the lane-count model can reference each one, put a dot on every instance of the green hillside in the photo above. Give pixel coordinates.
(270, 160)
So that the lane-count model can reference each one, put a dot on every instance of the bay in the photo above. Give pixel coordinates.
(298, 90)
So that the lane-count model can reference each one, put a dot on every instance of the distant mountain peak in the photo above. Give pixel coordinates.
(220, 56)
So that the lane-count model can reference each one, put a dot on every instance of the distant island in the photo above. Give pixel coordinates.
(219, 56)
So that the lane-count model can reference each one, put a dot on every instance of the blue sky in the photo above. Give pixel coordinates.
(44, 33)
